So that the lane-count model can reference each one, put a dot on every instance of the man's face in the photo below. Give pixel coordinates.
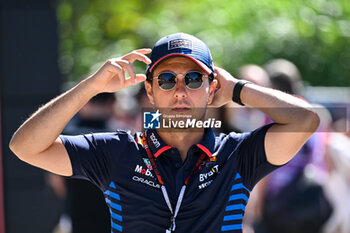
(180, 100)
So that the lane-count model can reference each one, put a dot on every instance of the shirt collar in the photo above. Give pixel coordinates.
(208, 142)
(155, 143)
(158, 146)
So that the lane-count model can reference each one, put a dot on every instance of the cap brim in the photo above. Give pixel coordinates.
(199, 63)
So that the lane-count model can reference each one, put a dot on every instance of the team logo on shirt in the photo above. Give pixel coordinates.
(148, 164)
(144, 171)
(204, 177)
(147, 172)
(154, 140)
(145, 181)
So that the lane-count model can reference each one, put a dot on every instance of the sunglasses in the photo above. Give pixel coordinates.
(193, 80)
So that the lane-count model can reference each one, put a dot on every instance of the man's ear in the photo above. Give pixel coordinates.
(148, 87)
(212, 90)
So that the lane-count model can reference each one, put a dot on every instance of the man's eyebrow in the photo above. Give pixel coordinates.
(163, 71)
(168, 70)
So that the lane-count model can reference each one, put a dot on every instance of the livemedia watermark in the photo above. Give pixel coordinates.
(168, 119)
(237, 119)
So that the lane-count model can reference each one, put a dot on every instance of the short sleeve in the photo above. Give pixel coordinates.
(92, 155)
(252, 161)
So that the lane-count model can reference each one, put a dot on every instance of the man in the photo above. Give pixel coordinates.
(160, 181)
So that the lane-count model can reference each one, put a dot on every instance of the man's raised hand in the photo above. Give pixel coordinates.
(110, 77)
(226, 82)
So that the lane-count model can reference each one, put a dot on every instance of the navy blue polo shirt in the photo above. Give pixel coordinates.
(216, 194)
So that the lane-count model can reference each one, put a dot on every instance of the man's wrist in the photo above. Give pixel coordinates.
(88, 88)
(237, 89)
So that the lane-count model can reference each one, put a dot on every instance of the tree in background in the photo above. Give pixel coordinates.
(313, 34)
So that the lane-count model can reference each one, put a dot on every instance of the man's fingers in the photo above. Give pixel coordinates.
(217, 70)
(129, 67)
(119, 69)
(217, 77)
(144, 50)
(119, 66)
(139, 78)
(135, 55)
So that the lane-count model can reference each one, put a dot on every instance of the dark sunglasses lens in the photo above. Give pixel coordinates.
(194, 80)
(167, 81)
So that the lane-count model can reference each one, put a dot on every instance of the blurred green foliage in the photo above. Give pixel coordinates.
(314, 34)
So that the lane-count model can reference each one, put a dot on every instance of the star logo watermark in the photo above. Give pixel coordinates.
(151, 120)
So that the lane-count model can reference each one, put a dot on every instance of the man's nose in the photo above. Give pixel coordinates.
(180, 88)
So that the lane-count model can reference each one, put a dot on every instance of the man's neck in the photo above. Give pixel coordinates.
(181, 140)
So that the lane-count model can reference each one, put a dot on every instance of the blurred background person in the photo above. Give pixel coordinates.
(293, 198)
(254, 74)
(338, 183)
(285, 76)
(129, 104)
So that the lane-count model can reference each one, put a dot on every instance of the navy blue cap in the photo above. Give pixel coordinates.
(181, 44)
